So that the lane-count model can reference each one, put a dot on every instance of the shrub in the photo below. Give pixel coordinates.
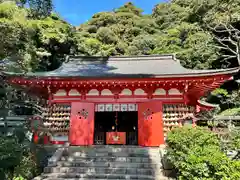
(232, 144)
(19, 178)
(145, 44)
(106, 35)
(92, 29)
(10, 156)
(10, 152)
(196, 155)
(16, 158)
(27, 167)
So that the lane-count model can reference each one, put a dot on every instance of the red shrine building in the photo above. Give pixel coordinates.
(119, 100)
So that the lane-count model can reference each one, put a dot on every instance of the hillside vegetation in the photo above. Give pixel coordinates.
(186, 28)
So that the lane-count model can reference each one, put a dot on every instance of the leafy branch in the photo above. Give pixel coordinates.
(230, 42)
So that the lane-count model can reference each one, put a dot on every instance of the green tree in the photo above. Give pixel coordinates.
(33, 44)
(10, 156)
(129, 7)
(41, 8)
(106, 35)
(15, 35)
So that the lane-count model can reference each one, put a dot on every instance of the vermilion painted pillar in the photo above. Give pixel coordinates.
(150, 124)
(82, 123)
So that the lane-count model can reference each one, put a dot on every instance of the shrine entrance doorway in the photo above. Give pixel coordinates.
(116, 127)
(128, 123)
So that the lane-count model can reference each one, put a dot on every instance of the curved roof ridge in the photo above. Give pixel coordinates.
(122, 58)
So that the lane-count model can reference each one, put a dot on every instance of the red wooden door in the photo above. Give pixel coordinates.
(82, 123)
(150, 124)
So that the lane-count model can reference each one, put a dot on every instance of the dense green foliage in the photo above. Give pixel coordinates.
(16, 158)
(196, 154)
(126, 31)
(37, 39)
(235, 140)
(32, 43)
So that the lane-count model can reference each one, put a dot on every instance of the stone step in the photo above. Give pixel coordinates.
(161, 178)
(110, 149)
(112, 159)
(109, 164)
(103, 154)
(52, 176)
(104, 170)
(106, 162)
(71, 179)
(115, 147)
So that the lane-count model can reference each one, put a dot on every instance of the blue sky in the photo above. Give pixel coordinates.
(79, 11)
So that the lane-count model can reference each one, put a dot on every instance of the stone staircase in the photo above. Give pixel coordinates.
(104, 162)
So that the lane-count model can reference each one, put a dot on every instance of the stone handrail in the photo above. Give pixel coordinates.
(57, 155)
(52, 162)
